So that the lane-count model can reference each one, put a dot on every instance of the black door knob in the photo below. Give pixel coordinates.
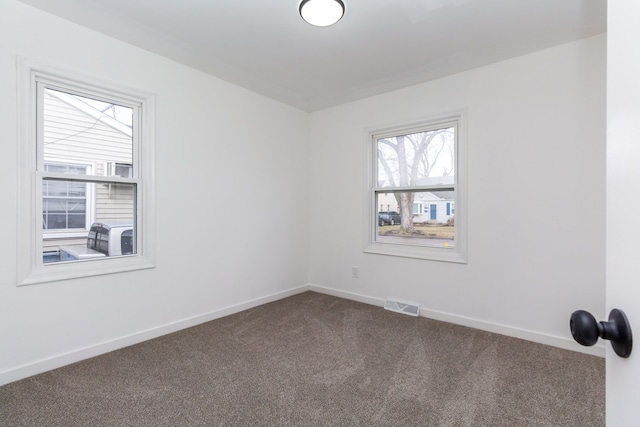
(586, 330)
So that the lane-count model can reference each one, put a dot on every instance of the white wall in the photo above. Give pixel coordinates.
(226, 156)
(536, 193)
(232, 228)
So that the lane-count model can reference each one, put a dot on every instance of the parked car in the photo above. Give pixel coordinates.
(388, 218)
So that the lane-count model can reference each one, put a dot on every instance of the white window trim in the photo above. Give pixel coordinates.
(458, 254)
(30, 267)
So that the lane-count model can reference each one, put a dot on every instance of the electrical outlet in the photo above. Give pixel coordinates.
(355, 272)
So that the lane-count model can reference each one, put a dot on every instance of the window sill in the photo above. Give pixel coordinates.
(62, 236)
(419, 252)
(87, 268)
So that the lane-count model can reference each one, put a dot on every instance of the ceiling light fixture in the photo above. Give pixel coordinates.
(321, 13)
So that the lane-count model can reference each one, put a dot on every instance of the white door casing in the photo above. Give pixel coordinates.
(623, 203)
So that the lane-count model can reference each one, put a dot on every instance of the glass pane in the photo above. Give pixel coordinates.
(433, 225)
(63, 188)
(62, 205)
(56, 168)
(61, 208)
(76, 220)
(84, 130)
(97, 226)
(54, 221)
(423, 158)
(65, 168)
(76, 189)
(124, 171)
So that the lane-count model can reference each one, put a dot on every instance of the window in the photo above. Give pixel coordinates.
(419, 171)
(120, 169)
(64, 204)
(86, 157)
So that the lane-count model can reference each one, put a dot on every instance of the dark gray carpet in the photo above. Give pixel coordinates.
(317, 360)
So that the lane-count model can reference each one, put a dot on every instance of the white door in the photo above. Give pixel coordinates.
(623, 203)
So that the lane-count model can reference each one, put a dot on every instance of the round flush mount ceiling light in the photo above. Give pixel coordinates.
(321, 13)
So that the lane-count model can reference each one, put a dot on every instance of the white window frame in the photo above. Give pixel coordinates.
(30, 267)
(457, 254)
(420, 207)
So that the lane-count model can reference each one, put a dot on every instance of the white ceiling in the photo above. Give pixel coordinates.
(378, 46)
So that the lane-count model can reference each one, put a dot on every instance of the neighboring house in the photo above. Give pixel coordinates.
(82, 136)
(387, 203)
(428, 206)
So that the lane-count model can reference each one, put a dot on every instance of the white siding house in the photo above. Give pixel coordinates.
(432, 207)
(427, 206)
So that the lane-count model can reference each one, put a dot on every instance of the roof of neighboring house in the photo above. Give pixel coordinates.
(437, 180)
(429, 196)
(430, 180)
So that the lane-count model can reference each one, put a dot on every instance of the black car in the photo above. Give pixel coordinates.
(388, 218)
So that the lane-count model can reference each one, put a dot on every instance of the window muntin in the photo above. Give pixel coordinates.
(416, 171)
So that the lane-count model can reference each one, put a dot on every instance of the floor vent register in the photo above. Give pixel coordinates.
(402, 307)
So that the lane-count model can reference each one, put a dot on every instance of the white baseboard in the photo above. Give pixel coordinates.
(555, 341)
(60, 360)
(347, 295)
